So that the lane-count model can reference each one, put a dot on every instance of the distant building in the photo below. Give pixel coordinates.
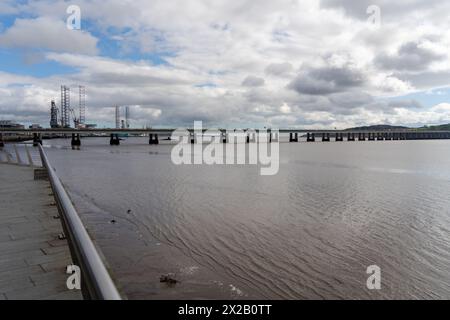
(11, 124)
(91, 125)
(35, 126)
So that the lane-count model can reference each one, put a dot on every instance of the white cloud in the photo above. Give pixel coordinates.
(48, 34)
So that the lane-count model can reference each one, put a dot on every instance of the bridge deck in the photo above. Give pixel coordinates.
(32, 258)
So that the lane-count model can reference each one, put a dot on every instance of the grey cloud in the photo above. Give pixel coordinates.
(327, 80)
(425, 79)
(252, 81)
(350, 100)
(407, 104)
(278, 69)
(410, 56)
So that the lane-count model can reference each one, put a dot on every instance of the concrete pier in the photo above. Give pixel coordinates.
(153, 139)
(361, 136)
(37, 139)
(114, 139)
(351, 136)
(75, 142)
(33, 259)
(293, 137)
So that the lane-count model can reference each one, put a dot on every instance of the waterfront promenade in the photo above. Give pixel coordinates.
(33, 259)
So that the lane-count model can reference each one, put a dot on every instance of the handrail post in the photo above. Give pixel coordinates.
(30, 159)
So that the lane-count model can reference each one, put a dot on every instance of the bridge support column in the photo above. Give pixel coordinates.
(325, 137)
(351, 136)
(310, 137)
(339, 136)
(76, 142)
(153, 139)
(114, 140)
(36, 139)
(380, 136)
(2, 144)
(274, 136)
(361, 136)
(293, 137)
(387, 136)
(371, 136)
(251, 137)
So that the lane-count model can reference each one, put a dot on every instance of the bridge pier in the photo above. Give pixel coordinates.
(2, 144)
(339, 136)
(370, 136)
(325, 137)
(361, 136)
(274, 136)
(293, 137)
(388, 136)
(251, 137)
(37, 139)
(351, 136)
(380, 136)
(153, 138)
(76, 142)
(114, 140)
(310, 137)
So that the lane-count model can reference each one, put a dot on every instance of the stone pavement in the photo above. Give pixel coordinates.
(33, 259)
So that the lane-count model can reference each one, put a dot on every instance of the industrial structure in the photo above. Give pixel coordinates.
(120, 123)
(82, 105)
(127, 117)
(53, 115)
(65, 107)
(60, 118)
(117, 117)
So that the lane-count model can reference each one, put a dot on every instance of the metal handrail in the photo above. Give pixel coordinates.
(96, 281)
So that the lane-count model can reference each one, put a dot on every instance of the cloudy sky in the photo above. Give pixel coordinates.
(290, 63)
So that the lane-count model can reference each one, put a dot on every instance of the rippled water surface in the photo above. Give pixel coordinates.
(308, 232)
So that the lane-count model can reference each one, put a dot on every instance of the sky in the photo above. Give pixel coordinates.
(231, 64)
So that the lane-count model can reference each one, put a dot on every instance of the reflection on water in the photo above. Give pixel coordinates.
(308, 232)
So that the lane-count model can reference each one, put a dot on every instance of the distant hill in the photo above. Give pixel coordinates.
(383, 127)
(378, 127)
(439, 127)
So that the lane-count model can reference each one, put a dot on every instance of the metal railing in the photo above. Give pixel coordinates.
(17, 154)
(95, 279)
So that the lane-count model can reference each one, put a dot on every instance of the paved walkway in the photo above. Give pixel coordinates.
(32, 259)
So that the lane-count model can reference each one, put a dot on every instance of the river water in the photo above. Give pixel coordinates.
(308, 232)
